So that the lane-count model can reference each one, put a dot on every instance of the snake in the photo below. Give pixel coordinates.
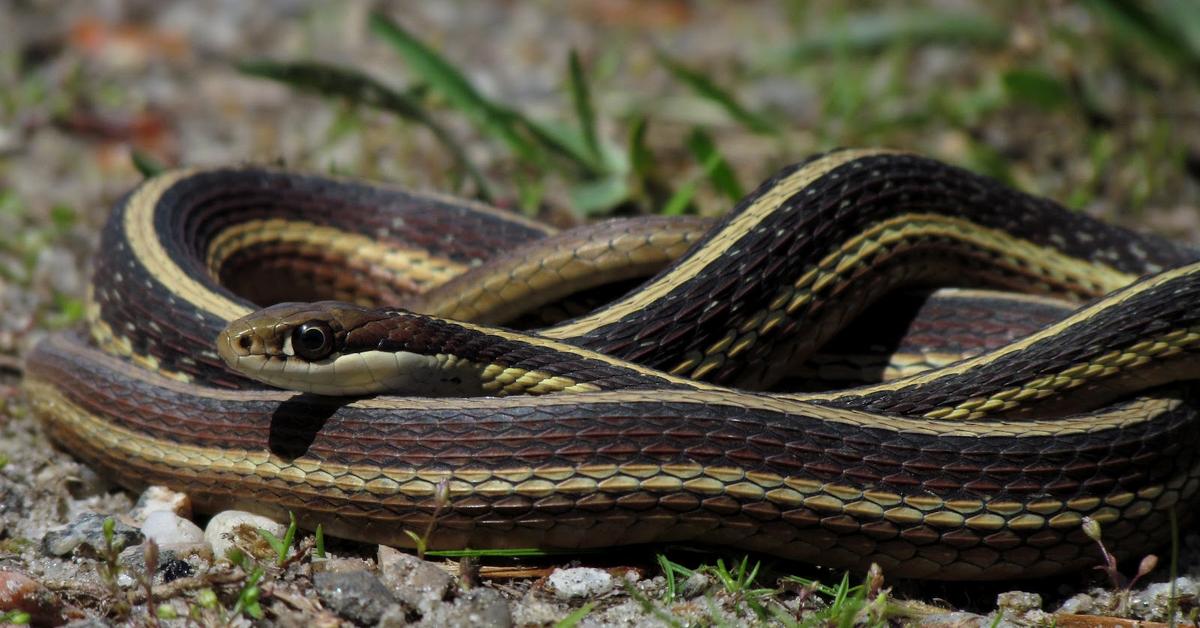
(647, 401)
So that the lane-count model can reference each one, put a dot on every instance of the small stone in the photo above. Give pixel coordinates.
(90, 622)
(954, 620)
(174, 561)
(341, 565)
(480, 606)
(1154, 601)
(355, 595)
(695, 585)
(87, 531)
(20, 592)
(417, 583)
(175, 569)
(394, 616)
(579, 582)
(1079, 604)
(232, 528)
(167, 528)
(161, 498)
(1019, 601)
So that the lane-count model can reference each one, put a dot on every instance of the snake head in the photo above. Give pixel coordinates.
(295, 345)
(334, 348)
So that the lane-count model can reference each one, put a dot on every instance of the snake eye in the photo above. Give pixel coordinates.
(313, 340)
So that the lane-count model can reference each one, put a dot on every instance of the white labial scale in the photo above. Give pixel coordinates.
(349, 372)
(370, 373)
(436, 375)
(295, 370)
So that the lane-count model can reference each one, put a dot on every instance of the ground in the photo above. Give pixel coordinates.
(692, 103)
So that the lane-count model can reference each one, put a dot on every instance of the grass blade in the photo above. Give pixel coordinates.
(358, 88)
(1036, 87)
(722, 176)
(146, 164)
(1160, 30)
(871, 32)
(454, 86)
(682, 199)
(583, 108)
(565, 142)
(597, 196)
(576, 616)
(641, 159)
(706, 88)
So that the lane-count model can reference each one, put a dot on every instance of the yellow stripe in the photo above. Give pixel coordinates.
(1079, 317)
(405, 264)
(719, 245)
(1141, 410)
(143, 240)
(379, 483)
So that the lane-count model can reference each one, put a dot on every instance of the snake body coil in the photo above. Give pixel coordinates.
(981, 469)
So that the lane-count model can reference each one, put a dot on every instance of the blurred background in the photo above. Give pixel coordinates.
(569, 110)
(574, 110)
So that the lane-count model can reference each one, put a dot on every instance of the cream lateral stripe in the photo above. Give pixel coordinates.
(1141, 410)
(585, 354)
(744, 223)
(414, 264)
(1044, 261)
(1076, 318)
(148, 249)
(984, 293)
(416, 482)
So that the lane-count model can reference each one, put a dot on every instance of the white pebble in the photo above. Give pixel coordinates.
(161, 498)
(223, 527)
(579, 582)
(166, 528)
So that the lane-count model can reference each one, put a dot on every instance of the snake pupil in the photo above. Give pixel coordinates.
(313, 341)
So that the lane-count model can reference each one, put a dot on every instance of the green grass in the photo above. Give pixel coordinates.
(596, 160)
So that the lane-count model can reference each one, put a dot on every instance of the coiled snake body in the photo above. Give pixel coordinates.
(982, 468)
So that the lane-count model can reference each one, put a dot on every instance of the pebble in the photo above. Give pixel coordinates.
(355, 595)
(87, 530)
(955, 620)
(579, 582)
(475, 607)
(418, 583)
(161, 498)
(1018, 601)
(167, 528)
(174, 561)
(90, 622)
(341, 564)
(1153, 602)
(695, 585)
(174, 569)
(20, 592)
(227, 526)
(1078, 604)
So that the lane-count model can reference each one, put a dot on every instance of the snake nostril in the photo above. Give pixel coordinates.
(245, 341)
